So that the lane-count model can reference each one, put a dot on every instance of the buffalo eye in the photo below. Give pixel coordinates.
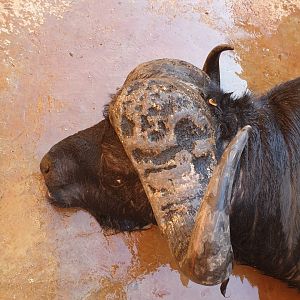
(117, 182)
(113, 181)
(109, 177)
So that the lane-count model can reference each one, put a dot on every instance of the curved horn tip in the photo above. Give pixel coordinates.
(222, 47)
(211, 64)
(217, 50)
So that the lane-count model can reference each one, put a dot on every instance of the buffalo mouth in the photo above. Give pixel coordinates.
(167, 131)
(55, 198)
(50, 197)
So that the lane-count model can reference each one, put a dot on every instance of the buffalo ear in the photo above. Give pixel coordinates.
(211, 65)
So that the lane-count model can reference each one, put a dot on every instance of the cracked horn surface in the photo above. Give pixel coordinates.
(166, 131)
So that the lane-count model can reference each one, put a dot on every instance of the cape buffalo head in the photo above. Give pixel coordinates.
(167, 151)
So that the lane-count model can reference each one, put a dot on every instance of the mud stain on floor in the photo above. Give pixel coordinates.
(59, 61)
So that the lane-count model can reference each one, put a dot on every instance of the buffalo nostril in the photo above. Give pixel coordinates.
(45, 165)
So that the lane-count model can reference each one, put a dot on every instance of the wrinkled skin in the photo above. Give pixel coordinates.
(264, 204)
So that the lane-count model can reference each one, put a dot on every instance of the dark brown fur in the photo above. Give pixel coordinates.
(265, 208)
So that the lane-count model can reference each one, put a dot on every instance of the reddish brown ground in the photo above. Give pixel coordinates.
(59, 62)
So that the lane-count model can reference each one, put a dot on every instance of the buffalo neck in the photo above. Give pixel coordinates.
(265, 203)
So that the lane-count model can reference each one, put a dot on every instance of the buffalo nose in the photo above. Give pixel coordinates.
(45, 165)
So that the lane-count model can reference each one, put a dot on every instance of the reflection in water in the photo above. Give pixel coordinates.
(60, 60)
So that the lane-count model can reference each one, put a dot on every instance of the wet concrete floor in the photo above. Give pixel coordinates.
(59, 62)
